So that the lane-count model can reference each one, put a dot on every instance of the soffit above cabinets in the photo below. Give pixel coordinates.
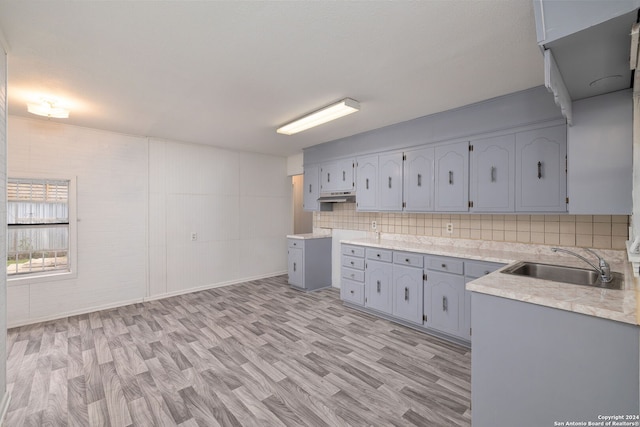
(588, 59)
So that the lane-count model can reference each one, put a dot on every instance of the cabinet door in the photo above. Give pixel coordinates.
(493, 174)
(367, 183)
(311, 188)
(452, 177)
(466, 332)
(296, 267)
(390, 182)
(407, 293)
(344, 175)
(541, 177)
(447, 302)
(418, 180)
(378, 279)
(329, 173)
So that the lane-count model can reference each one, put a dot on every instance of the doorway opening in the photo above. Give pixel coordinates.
(302, 220)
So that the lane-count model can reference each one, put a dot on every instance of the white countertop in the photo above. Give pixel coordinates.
(618, 305)
(307, 236)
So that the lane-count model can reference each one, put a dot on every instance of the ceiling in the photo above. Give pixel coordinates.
(228, 73)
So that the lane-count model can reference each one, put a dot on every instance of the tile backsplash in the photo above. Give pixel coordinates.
(593, 231)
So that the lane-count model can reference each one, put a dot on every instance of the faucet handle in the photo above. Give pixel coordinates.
(600, 259)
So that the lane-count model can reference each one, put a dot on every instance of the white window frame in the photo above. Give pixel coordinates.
(72, 254)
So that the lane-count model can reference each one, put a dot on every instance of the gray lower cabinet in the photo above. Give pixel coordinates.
(352, 274)
(378, 282)
(407, 293)
(444, 293)
(309, 263)
(474, 270)
(540, 366)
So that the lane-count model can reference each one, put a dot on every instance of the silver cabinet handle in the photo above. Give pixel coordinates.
(309, 188)
(406, 294)
(445, 304)
(451, 177)
(351, 262)
(389, 182)
(539, 170)
(419, 180)
(493, 174)
(352, 251)
(294, 266)
(328, 176)
(351, 292)
(344, 175)
(378, 255)
(378, 286)
(366, 183)
(407, 261)
(444, 265)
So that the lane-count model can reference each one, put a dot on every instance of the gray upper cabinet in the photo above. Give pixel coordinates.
(418, 180)
(493, 174)
(378, 285)
(541, 178)
(367, 183)
(451, 178)
(337, 175)
(390, 182)
(311, 188)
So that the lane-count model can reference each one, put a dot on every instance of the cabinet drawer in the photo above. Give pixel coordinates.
(352, 292)
(408, 258)
(379, 254)
(351, 250)
(296, 243)
(448, 265)
(350, 273)
(477, 269)
(353, 262)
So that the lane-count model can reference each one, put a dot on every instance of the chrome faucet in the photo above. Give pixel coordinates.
(603, 266)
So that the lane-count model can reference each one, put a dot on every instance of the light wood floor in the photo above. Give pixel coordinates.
(254, 354)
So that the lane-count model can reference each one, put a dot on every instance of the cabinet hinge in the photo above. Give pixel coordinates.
(404, 204)
(470, 204)
(365, 300)
(567, 200)
(424, 277)
(404, 157)
(566, 164)
(470, 331)
(470, 147)
(424, 317)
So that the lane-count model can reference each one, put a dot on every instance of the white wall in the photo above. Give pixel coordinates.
(138, 201)
(4, 396)
(238, 204)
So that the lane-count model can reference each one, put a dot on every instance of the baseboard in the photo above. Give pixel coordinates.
(139, 300)
(4, 406)
(213, 286)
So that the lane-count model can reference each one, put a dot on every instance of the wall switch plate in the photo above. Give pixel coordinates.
(449, 227)
(374, 225)
(194, 237)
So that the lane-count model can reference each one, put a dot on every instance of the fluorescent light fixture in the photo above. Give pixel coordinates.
(48, 108)
(324, 115)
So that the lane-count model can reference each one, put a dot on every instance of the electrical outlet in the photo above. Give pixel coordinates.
(449, 227)
(194, 237)
(374, 225)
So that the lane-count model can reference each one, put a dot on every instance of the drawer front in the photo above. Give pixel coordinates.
(352, 292)
(296, 243)
(477, 269)
(357, 251)
(350, 273)
(353, 262)
(380, 254)
(408, 258)
(448, 265)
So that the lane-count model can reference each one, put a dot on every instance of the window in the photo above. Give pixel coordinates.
(38, 226)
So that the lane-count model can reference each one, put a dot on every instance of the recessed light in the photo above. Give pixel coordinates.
(605, 80)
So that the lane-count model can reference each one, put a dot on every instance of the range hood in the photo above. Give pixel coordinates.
(337, 197)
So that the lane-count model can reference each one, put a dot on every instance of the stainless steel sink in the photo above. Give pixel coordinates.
(558, 273)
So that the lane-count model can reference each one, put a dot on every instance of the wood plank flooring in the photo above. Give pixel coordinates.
(253, 354)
